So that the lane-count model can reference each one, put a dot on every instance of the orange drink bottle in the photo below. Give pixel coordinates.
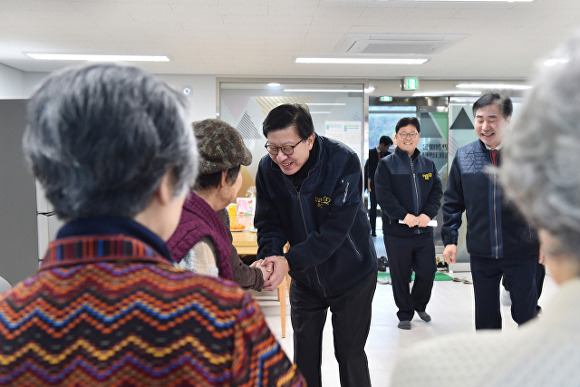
(233, 213)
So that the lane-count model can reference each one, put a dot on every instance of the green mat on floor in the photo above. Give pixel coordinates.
(438, 276)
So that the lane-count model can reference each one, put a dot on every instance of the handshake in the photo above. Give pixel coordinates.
(274, 270)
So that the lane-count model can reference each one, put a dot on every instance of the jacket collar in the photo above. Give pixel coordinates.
(401, 153)
(98, 249)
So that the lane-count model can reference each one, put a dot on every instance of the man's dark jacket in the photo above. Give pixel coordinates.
(325, 222)
(494, 227)
(407, 185)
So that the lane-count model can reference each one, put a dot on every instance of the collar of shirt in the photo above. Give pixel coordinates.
(112, 225)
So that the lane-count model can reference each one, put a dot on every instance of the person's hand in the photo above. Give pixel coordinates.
(541, 257)
(280, 269)
(411, 220)
(450, 253)
(265, 269)
(423, 220)
(369, 185)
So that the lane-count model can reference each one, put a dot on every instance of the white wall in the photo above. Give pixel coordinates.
(203, 97)
(11, 83)
(15, 84)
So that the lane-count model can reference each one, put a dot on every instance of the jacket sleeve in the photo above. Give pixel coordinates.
(434, 200)
(257, 357)
(271, 235)
(366, 174)
(346, 201)
(384, 192)
(453, 205)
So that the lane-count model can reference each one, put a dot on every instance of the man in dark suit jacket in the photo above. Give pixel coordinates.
(375, 155)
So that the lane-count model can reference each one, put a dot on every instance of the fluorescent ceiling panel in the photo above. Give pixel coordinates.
(498, 86)
(99, 58)
(477, 1)
(336, 60)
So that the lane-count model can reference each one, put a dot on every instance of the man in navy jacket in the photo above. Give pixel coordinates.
(309, 193)
(499, 241)
(408, 189)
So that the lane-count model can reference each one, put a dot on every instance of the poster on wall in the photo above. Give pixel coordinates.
(347, 132)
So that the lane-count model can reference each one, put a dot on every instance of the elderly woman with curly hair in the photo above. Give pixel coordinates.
(113, 151)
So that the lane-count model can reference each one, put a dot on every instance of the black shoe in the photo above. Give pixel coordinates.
(424, 316)
(406, 325)
(373, 233)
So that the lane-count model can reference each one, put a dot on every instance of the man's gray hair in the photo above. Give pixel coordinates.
(100, 137)
(542, 150)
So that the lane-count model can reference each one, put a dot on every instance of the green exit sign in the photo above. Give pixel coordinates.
(385, 98)
(410, 83)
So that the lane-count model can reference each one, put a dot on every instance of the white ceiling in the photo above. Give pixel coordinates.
(261, 38)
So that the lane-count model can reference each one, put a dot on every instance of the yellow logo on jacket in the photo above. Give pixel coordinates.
(427, 176)
(323, 201)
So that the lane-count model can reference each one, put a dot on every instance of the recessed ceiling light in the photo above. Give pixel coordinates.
(336, 60)
(556, 61)
(325, 103)
(499, 86)
(443, 93)
(480, 1)
(273, 84)
(323, 90)
(99, 58)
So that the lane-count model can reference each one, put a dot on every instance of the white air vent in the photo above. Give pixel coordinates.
(396, 44)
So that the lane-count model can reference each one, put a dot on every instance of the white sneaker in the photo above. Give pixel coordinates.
(506, 298)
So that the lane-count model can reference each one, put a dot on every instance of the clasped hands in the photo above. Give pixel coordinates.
(420, 221)
(274, 269)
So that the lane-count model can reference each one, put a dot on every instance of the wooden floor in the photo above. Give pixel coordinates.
(451, 308)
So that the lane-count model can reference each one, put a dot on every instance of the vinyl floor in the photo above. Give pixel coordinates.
(451, 307)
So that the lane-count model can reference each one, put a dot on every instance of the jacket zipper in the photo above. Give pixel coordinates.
(416, 190)
(298, 197)
(495, 213)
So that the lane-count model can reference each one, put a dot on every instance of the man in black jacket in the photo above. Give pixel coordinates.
(375, 155)
(309, 193)
(499, 241)
(409, 189)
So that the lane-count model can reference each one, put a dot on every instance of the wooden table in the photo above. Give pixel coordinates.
(246, 242)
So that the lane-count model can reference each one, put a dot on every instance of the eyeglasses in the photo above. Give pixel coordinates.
(286, 149)
(407, 135)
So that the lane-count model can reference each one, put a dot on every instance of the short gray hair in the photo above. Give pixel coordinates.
(100, 137)
(542, 148)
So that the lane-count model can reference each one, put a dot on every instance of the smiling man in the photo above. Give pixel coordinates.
(499, 241)
(409, 190)
(309, 193)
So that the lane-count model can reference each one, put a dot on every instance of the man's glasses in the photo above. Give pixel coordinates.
(286, 149)
(407, 135)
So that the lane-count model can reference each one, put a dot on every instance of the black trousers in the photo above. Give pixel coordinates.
(415, 253)
(519, 273)
(540, 275)
(373, 209)
(351, 322)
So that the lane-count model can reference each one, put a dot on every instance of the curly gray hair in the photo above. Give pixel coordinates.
(100, 137)
(542, 147)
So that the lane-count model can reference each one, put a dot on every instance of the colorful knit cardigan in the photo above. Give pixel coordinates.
(110, 311)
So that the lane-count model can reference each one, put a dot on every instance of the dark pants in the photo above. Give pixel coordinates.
(540, 275)
(520, 273)
(415, 253)
(373, 209)
(351, 322)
